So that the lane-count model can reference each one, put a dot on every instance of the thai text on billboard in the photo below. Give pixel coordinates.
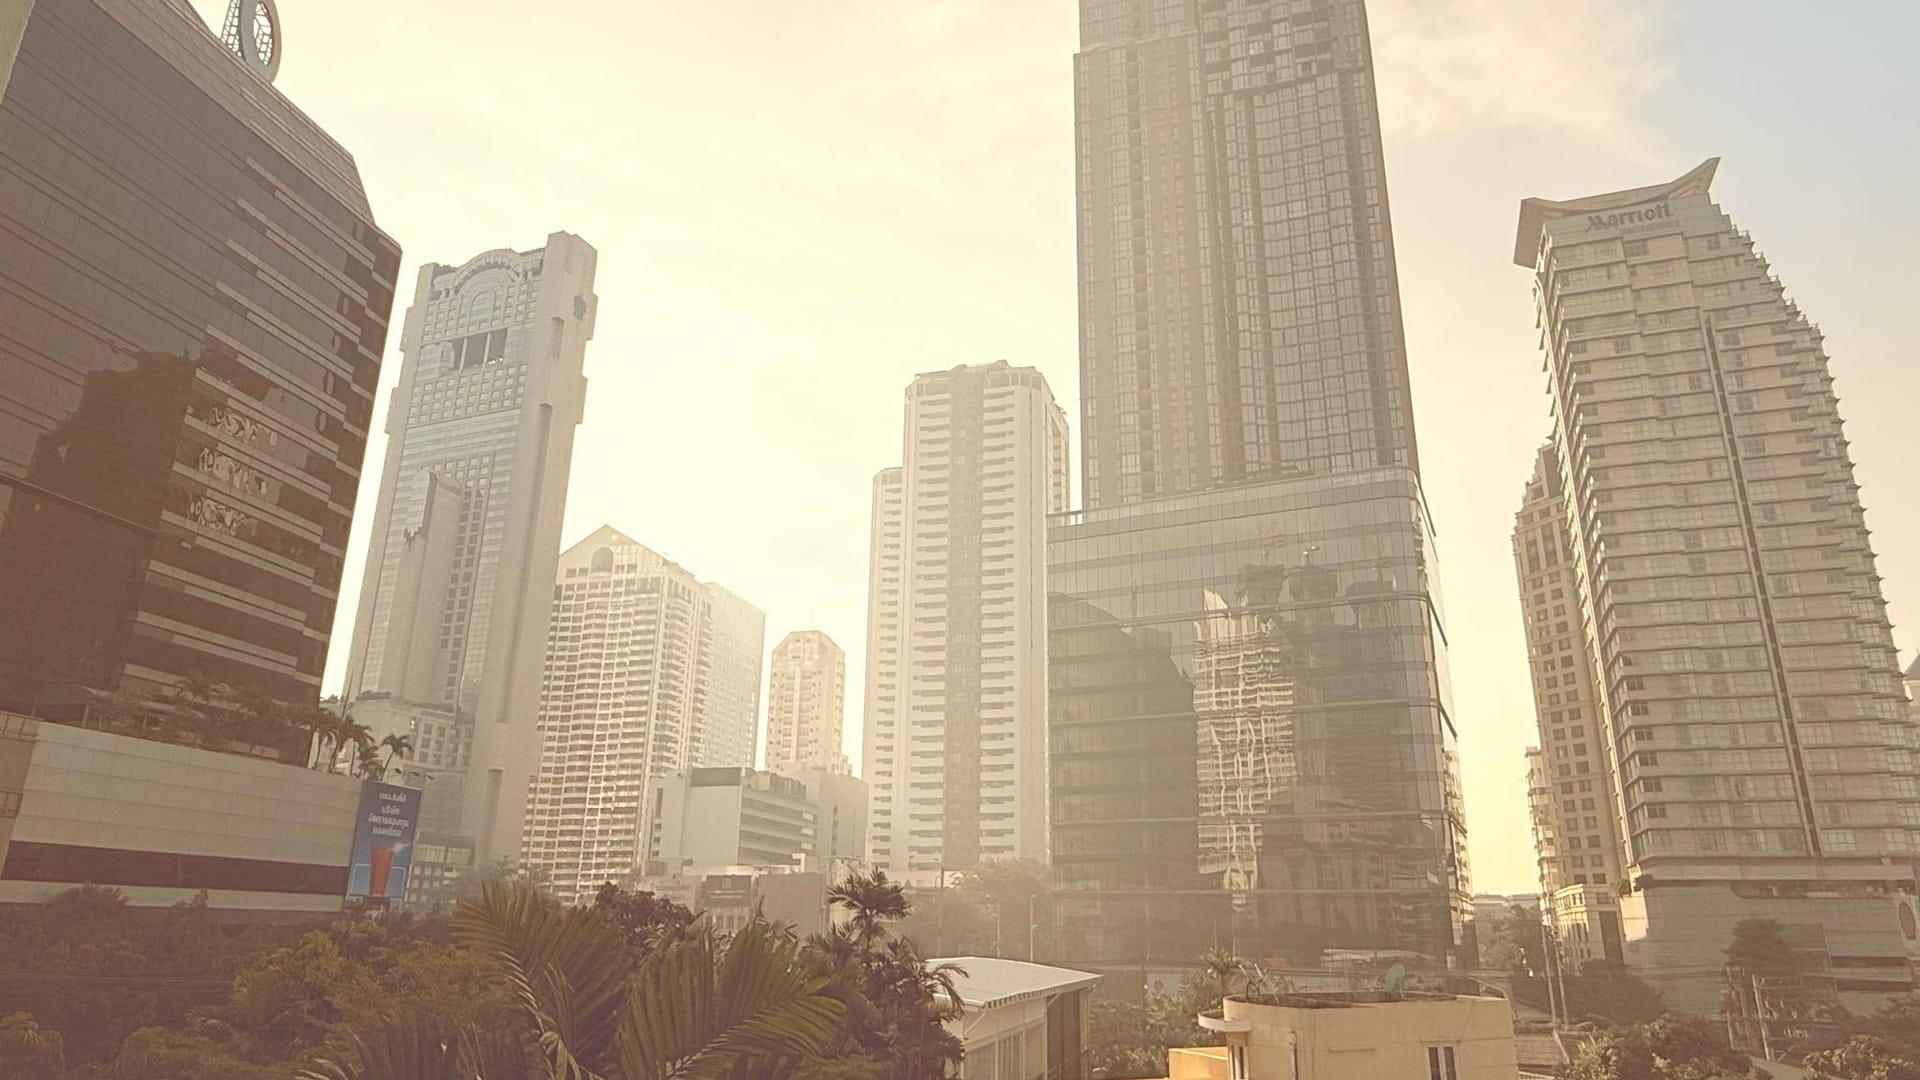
(383, 839)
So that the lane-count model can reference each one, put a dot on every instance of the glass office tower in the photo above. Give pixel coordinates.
(193, 305)
(1251, 743)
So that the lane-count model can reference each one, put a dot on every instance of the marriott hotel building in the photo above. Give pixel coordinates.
(1758, 742)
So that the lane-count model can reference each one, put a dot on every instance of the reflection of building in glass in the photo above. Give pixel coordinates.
(1318, 684)
(1762, 750)
(1243, 699)
(193, 304)
(956, 729)
(459, 578)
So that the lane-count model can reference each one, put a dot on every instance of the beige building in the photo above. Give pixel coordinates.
(1763, 755)
(806, 703)
(956, 742)
(732, 725)
(459, 577)
(1354, 1036)
(628, 661)
(1020, 1021)
(162, 822)
(1570, 781)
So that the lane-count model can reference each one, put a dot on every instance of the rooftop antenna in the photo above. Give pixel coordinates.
(252, 31)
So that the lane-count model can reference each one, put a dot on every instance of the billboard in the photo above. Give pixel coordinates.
(383, 837)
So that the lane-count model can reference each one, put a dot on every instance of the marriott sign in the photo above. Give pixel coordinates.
(1656, 212)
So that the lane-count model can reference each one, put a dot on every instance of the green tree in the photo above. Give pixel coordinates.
(895, 1003)
(396, 746)
(1511, 942)
(1896, 1026)
(1759, 947)
(695, 1009)
(1606, 990)
(1861, 1058)
(1016, 900)
(950, 922)
(1670, 1048)
(157, 1053)
(29, 1051)
(647, 921)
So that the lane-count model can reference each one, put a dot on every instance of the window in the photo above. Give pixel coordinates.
(1237, 1062)
(1440, 1064)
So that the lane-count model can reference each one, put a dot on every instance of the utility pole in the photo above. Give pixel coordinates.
(1031, 927)
(1554, 1004)
(1760, 1013)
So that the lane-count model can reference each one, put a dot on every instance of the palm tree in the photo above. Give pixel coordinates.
(200, 704)
(873, 902)
(367, 763)
(341, 733)
(397, 745)
(27, 1049)
(697, 1009)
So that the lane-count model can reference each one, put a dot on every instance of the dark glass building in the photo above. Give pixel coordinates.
(1250, 734)
(1251, 744)
(193, 305)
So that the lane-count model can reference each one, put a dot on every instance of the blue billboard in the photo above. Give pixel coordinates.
(383, 838)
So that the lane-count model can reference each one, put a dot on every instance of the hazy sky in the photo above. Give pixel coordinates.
(799, 204)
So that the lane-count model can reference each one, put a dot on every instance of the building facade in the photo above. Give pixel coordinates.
(732, 725)
(193, 305)
(459, 579)
(1251, 741)
(1252, 744)
(706, 819)
(1761, 748)
(628, 665)
(955, 754)
(1240, 307)
(806, 704)
(1572, 800)
(1355, 1036)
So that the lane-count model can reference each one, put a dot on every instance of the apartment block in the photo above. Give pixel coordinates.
(1762, 750)
(956, 737)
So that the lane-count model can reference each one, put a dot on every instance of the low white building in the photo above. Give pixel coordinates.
(1020, 1021)
(1354, 1036)
(162, 822)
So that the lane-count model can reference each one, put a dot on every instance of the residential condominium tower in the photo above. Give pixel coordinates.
(628, 670)
(1251, 739)
(726, 737)
(806, 702)
(956, 739)
(193, 307)
(1761, 748)
(459, 577)
(1576, 825)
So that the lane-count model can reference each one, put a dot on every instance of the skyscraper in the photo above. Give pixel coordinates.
(1240, 309)
(193, 305)
(1252, 744)
(1761, 749)
(628, 664)
(955, 754)
(726, 737)
(459, 579)
(806, 703)
(1577, 835)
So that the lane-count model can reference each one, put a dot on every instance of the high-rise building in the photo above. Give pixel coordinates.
(1762, 752)
(193, 305)
(806, 702)
(459, 578)
(1577, 836)
(1251, 739)
(629, 661)
(727, 736)
(1240, 309)
(956, 738)
(707, 819)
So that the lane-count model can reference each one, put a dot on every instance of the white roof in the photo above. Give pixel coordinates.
(990, 981)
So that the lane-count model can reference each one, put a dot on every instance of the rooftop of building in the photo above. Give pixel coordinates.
(1535, 213)
(986, 982)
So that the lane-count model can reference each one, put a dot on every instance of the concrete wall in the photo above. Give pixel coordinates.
(108, 802)
(1383, 1041)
